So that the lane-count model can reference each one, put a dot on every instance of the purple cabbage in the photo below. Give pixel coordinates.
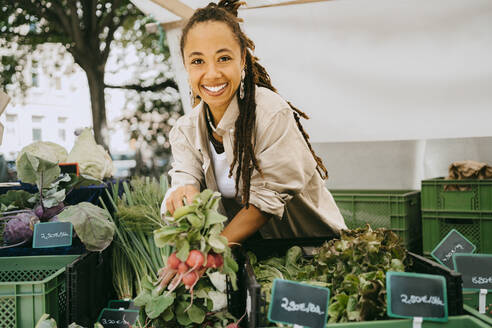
(19, 228)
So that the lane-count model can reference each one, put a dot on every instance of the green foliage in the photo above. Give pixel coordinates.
(15, 200)
(93, 33)
(353, 267)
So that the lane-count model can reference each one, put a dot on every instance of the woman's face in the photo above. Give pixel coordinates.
(212, 57)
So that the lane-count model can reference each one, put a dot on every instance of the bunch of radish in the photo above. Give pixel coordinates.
(199, 253)
(187, 272)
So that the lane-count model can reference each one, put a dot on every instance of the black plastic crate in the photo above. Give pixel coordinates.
(76, 248)
(89, 194)
(89, 287)
(254, 301)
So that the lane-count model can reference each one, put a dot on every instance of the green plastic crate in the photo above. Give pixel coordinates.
(31, 286)
(398, 210)
(478, 197)
(462, 321)
(470, 304)
(475, 226)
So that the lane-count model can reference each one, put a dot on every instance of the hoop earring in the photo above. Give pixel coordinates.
(241, 85)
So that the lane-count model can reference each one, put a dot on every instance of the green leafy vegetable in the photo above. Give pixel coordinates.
(353, 267)
(94, 161)
(36, 170)
(91, 223)
(46, 322)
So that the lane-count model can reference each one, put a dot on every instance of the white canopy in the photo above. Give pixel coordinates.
(369, 70)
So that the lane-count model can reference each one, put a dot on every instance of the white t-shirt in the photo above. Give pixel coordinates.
(226, 185)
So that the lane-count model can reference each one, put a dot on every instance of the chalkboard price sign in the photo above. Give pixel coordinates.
(113, 318)
(125, 304)
(454, 242)
(299, 304)
(52, 234)
(475, 269)
(416, 295)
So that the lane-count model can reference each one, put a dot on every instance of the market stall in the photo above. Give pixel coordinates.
(79, 249)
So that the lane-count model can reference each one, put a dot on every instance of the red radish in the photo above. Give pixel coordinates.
(191, 286)
(190, 278)
(175, 283)
(165, 275)
(219, 260)
(195, 259)
(210, 260)
(182, 268)
(173, 261)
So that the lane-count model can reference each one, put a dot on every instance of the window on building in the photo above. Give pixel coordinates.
(37, 118)
(11, 117)
(36, 134)
(62, 120)
(62, 134)
(34, 74)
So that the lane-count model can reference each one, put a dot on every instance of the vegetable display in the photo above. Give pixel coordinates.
(90, 222)
(177, 266)
(353, 267)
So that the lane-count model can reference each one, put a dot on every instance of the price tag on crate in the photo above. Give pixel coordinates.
(52, 234)
(69, 168)
(122, 304)
(415, 295)
(476, 272)
(115, 318)
(454, 242)
(299, 304)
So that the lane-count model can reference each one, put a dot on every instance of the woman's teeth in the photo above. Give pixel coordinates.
(216, 88)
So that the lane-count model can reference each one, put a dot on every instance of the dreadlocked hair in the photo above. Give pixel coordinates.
(256, 75)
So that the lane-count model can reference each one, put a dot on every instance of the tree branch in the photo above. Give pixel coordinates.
(108, 19)
(152, 88)
(109, 39)
(76, 28)
(63, 18)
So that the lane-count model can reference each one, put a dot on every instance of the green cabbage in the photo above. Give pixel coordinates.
(91, 223)
(94, 161)
(46, 150)
(46, 322)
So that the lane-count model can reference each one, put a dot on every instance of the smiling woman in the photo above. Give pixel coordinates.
(244, 140)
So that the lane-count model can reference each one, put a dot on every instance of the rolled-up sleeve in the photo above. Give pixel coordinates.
(286, 163)
(187, 161)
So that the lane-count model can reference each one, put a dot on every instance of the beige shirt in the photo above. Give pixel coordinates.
(291, 189)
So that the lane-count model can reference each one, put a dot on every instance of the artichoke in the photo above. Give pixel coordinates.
(20, 228)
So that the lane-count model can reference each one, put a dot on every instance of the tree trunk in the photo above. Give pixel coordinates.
(95, 78)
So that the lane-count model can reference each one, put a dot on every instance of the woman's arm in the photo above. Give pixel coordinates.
(246, 222)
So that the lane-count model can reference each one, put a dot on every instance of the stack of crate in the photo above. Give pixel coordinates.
(464, 205)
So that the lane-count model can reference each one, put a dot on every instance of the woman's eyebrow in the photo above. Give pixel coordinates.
(197, 53)
(223, 50)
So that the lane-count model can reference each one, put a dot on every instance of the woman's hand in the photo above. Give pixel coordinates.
(177, 198)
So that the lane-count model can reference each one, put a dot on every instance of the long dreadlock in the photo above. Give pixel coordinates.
(256, 75)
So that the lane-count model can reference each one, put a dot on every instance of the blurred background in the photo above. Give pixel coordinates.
(396, 90)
